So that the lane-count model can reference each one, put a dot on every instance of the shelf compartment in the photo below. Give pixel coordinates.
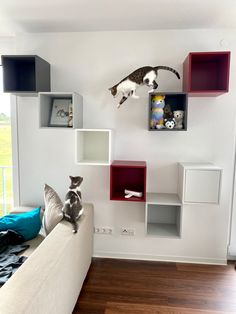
(129, 175)
(206, 73)
(199, 183)
(163, 220)
(25, 74)
(177, 101)
(93, 146)
(45, 108)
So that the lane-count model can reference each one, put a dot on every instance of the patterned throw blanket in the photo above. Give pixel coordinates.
(11, 244)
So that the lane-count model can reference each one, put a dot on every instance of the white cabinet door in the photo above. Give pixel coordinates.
(202, 186)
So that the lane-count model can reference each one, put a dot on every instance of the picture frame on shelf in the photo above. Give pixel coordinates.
(61, 113)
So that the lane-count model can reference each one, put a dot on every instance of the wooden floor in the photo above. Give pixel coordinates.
(139, 287)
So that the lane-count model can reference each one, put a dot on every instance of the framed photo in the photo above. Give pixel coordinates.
(61, 112)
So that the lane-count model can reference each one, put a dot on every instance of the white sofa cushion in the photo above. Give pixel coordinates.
(53, 209)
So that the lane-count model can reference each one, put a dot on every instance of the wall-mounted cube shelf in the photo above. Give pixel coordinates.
(199, 183)
(93, 147)
(163, 215)
(206, 73)
(25, 74)
(177, 101)
(45, 108)
(130, 175)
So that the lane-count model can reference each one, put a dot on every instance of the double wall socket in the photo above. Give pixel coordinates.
(127, 231)
(103, 230)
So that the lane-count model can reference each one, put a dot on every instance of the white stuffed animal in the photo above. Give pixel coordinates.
(179, 117)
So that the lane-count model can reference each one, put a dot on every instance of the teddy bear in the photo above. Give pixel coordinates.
(158, 103)
(167, 112)
(179, 117)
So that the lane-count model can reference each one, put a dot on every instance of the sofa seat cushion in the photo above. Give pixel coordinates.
(34, 243)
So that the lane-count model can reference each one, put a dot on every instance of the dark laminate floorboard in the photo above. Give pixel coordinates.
(139, 287)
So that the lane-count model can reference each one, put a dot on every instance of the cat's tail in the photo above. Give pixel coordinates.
(163, 67)
(75, 227)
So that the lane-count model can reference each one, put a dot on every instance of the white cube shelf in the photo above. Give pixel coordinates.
(93, 147)
(163, 215)
(45, 108)
(199, 183)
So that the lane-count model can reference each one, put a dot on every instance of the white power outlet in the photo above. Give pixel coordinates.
(127, 231)
(103, 230)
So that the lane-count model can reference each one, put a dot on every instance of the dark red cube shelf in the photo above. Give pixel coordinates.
(129, 175)
(206, 73)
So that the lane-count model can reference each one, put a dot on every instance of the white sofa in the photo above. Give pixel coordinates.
(50, 280)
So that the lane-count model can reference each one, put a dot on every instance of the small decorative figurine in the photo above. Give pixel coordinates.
(70, 116)
(158, 103)
(129, 194)
(179, 117)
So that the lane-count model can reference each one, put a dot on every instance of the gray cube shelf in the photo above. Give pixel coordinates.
(25, 74)
(163, 215)
(177, 101)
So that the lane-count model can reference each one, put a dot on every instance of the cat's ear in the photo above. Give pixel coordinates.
(80, 180)
(71, 178)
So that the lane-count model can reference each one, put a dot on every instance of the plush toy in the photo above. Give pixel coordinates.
(169, 123)
(167, 112)
(179, 117)
(158, 103)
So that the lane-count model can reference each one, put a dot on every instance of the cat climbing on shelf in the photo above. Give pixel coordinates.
(143, 76)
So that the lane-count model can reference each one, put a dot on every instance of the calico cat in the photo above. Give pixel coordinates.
(73, 208)
(143, 76)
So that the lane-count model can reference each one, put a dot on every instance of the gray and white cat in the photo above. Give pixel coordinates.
(73, 208)
(143, 76)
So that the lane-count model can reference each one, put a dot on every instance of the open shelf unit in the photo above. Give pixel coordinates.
(25, 74)
(93, 147)
(199, 183)
(206, 73)
(177, 101)
(129, 175)
(45, 108)
(163, 215)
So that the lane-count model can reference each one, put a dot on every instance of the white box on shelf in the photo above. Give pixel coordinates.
(93, 147)
(199, 183)
(45, 109)
(163, 215)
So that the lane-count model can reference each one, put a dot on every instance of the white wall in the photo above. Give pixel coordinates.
(90, 63)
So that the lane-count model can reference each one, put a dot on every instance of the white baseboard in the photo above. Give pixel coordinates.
(179, 259)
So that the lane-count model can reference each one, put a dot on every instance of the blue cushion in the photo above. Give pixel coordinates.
(27, 224)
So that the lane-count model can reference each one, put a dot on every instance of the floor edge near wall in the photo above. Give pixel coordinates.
(161, 258)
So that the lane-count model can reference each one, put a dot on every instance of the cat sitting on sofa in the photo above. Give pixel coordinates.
(73, 208)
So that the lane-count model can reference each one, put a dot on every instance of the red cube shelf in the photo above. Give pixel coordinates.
(129, 175)
(206, 73)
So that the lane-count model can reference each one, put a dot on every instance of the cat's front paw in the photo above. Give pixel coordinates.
(151, 91)
(135, 96)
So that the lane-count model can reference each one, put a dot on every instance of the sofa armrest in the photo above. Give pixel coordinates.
(50, 280)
